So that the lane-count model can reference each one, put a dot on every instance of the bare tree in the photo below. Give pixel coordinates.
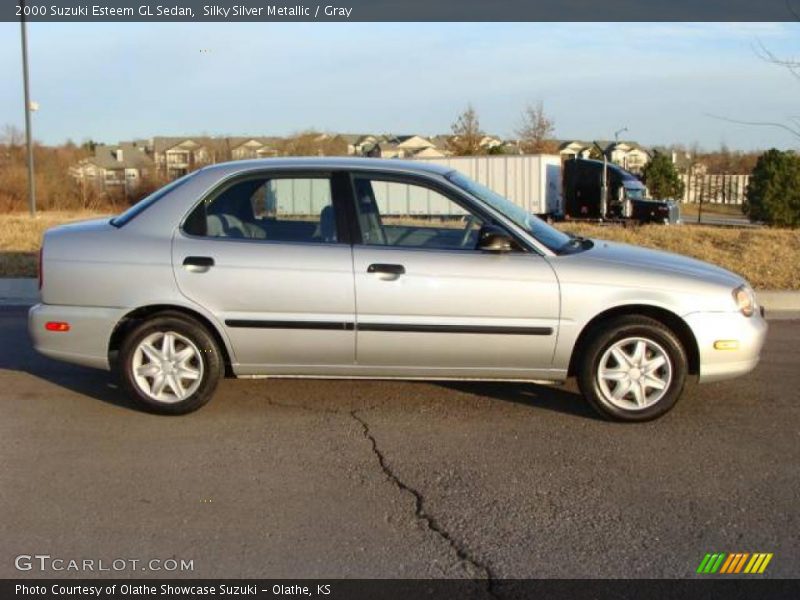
(793, 67)
(467, 134)
(312, 143)
(12, 137)
(536, 130)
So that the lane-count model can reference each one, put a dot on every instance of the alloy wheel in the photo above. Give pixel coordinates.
(167, 366)
(634, 373)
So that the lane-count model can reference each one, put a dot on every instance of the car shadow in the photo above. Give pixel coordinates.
(530, 395)
(17, 354)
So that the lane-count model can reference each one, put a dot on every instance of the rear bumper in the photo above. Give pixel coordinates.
(748, 332)
(86, 342)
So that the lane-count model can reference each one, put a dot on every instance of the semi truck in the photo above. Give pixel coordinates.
(577, 188)
(599, 190)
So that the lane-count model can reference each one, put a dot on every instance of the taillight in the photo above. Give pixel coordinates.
(40, 268)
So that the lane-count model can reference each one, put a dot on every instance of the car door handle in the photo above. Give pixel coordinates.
(198, 264)
(386, 269)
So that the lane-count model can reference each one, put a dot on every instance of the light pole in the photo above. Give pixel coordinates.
(28, 133)
(617, 132)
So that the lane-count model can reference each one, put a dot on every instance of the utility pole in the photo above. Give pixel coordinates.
(28, 133)
(603, 183)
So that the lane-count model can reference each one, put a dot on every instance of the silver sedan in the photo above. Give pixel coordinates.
(362, 268)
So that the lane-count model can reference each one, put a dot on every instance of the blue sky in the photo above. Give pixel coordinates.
(111, 82)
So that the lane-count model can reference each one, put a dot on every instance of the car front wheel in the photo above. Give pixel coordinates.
(170, 364)
(633, 369)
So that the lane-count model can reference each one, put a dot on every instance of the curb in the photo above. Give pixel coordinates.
(25, 291)
(15, 291)
(778, 300)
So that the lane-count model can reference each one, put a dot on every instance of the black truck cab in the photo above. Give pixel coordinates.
(625, 195)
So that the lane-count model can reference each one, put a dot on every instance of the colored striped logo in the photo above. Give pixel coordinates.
(735, 562)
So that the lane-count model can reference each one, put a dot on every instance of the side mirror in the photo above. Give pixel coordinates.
(494, 239)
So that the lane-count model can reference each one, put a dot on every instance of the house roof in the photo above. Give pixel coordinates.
(133, 157)
(164, 143)
(236, 142)
(606, 145)
(388, 146)
(441, 141)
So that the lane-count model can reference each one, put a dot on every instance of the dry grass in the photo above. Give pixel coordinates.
(768, 258)
(20, 236)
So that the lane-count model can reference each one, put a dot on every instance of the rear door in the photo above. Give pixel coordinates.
(431, 304)
(266, 254)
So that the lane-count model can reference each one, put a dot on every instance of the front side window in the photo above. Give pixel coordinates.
(409, 215)
(551, 237)
(290, 209)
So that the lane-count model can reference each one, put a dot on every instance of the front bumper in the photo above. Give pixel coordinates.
(711, 327)
(86, 342)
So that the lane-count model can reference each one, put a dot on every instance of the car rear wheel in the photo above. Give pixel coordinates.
(170, 364)
(633, 369)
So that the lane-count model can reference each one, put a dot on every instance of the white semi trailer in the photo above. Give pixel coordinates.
(531, 181)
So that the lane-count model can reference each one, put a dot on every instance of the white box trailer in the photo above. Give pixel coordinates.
(530, 181)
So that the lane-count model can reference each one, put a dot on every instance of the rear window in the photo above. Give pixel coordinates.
(134, 211)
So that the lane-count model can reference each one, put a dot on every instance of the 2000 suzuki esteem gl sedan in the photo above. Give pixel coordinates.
(362, 268)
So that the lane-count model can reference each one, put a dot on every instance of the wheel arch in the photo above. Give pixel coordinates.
(137, 315)
(666, 317)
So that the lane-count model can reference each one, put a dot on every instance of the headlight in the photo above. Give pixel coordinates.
(745, 300)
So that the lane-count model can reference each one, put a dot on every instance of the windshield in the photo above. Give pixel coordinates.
(552, 238)
(146, 202)
(634, 193)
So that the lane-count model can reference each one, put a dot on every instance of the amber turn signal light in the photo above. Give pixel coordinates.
(726, 345)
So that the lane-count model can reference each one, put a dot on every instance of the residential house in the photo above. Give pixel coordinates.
(387, 149)
(177, 156)
(121, 166)
(255, 147)
(490, 142)
(441, 143)
(628, 155)
(574, 149)
(359, 144)
(399, 146)
(430, 152)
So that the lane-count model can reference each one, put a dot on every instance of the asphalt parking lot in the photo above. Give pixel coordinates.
(303, 478)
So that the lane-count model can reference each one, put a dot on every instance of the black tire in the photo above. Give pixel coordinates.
(212, 368)
(621, 328)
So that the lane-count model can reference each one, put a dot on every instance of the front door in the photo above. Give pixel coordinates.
(431, 304)
(266, 257)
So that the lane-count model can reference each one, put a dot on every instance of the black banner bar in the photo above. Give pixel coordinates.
(400, 10)
(712, 588)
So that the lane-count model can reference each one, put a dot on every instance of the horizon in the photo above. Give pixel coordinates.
(660, 81)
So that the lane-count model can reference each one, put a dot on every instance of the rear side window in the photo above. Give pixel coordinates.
(134, 211)
(281, 209)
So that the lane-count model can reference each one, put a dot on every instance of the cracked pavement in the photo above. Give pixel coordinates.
(331, 479)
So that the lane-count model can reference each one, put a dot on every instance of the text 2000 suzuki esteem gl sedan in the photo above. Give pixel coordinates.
(378, 269)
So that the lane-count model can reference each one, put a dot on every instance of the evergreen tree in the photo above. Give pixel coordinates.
(773, 193)
(662, 178)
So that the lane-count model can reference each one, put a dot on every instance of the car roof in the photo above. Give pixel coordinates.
(328, 162)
